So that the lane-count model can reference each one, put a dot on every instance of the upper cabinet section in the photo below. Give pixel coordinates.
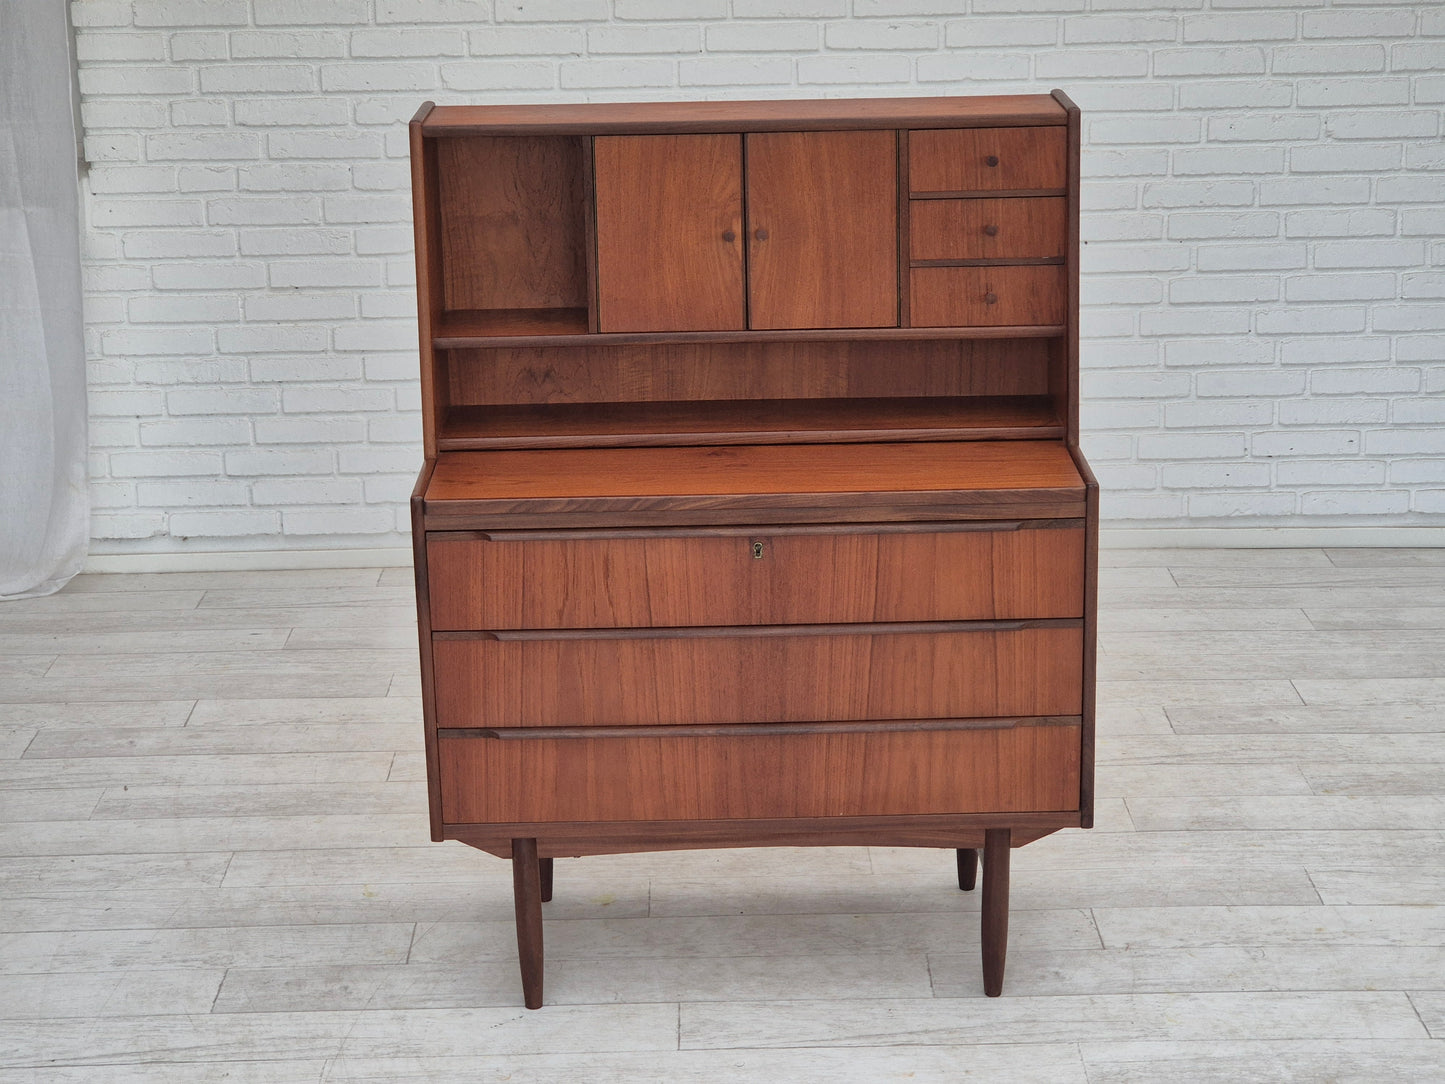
(772, 230)
(735, 221)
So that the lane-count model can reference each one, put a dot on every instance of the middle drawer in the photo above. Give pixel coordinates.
(777, 576)
(757, 675)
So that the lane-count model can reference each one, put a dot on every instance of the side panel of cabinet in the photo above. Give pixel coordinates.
(666, 208)
(822, 229)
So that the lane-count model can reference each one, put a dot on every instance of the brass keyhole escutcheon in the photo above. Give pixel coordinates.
(757, 551)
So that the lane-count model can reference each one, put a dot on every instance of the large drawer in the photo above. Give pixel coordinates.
(987, 296)
(756, 675)
(580, 580)
(987, 160)
(1018, 768)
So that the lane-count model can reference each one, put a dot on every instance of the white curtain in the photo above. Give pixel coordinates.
(44, 511)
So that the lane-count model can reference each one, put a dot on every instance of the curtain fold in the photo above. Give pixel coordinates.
(44, 509)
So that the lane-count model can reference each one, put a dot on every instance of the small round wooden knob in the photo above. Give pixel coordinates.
(991, 299)
(991, 160)
(991, 231)
(761, 234)
(729, 236)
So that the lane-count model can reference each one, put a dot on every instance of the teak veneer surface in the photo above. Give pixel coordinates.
(822, 229)
(755, 577)
(748, 421)
(747, 675)
(669, 233)
(1014, 768)
(802, 469)
(762, 374)
(983, 229)
(749, 116)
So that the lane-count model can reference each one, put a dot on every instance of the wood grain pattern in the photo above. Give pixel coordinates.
(748, 473)
(822, 229)
(424, 631)
(1011, 769)
(564, 839)
(744, 116)
(426, 240)
(979, 229)
(988, 295)
(987, 159)
(799, 579)
(587, 373)
(743, 678)
(665, 208)
(474, 329)
(511, 214)
(750, 421)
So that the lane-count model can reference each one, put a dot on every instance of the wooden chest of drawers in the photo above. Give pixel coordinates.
(753, 511)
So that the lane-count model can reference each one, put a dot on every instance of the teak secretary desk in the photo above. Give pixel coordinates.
(753, 511)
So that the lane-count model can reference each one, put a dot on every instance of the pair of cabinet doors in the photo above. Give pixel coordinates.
(768, 230)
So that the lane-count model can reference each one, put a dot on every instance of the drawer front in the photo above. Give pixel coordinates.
(631, 580)
(984, 229)
(756, 676)
(879, 773)
(985, 296)
(987, 160)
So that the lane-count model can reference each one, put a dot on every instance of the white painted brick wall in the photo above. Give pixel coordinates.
(1264, 268)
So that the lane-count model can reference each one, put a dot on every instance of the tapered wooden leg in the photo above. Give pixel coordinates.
(527, 891)
(967, 868)
(545, 865)
(995, 908)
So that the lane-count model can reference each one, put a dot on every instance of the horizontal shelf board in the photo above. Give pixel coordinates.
(996, 478)
(748, 421)
(1012, 110)
(532, 328)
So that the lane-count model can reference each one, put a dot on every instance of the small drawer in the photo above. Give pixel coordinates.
(986, 296)
(783, 577)
(987, 160)
(1024, 767)
(755, 675)
(983, 229)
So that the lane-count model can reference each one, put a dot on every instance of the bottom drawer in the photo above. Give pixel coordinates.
(983, 296)
(990, 769)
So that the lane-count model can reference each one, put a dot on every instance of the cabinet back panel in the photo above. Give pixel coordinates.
(1009, 769)
(803, 370)
(512, 222)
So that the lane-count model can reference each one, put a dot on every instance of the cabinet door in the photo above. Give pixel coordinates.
(822, 229)
(669, 233)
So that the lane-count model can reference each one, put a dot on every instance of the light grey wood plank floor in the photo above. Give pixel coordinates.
(214, 862)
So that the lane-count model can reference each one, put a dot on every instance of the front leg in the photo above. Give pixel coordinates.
(994, 922)
(527, 894)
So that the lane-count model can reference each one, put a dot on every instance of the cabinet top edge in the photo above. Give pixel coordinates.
(1004, 110)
